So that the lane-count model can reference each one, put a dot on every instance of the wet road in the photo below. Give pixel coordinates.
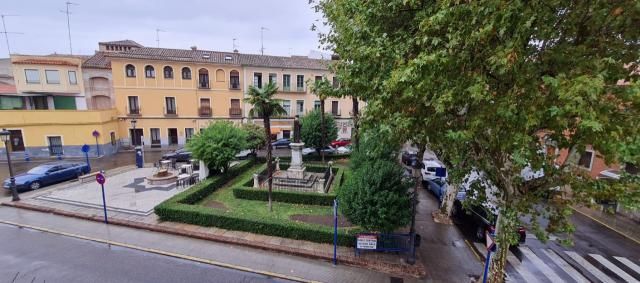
(34, 256)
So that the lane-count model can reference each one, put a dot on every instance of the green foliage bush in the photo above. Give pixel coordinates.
(311, 132)
(218, 144)
(284, 196)
(256, 136)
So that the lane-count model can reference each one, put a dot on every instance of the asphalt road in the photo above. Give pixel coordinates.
(34, 256)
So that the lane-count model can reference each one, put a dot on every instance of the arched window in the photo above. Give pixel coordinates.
(219, 75)
(168, 72)
(234, 80)
(186, 73)
(149, 71)
(203, 78)
(131, 71)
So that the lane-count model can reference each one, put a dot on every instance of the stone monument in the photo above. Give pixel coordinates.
(296, 168)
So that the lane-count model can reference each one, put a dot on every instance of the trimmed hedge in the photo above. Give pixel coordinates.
(315, 157)
(284, 196)
(182, 208)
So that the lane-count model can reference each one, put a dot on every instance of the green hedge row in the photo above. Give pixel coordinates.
(182, 208)
(284, 196)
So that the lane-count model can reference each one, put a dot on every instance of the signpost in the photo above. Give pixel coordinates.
(85, 149)
(491, 247)
(100, 179)
(335, 231)
(96, 134)
(367, 242)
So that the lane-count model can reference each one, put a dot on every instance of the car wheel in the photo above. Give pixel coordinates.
(479, 234)
(35, 185)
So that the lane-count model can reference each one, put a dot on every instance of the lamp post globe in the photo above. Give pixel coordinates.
(5, 136)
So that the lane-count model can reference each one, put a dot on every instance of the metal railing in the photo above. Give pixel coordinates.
(234, 85)
(133, 111)
(204, 111)
(170, 111)
(235, 112)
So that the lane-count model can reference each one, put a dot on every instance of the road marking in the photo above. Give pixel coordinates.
(628, 263)
(175, 255)
(566, 267)
(592, 269)
(526, 275)
(605, 225)
(614, 268)
(548, 272)
(473, 251)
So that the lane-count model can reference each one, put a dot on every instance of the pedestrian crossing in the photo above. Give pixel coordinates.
(556, 265)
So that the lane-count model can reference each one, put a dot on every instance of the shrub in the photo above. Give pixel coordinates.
(311, 132)
(256, 137)
(284, 196)
(375, 197)
(218, 145)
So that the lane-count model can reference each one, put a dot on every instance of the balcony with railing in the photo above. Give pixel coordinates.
(204, 111)
(294, 89)
(137, 111)
(234, 85)
(235, 112)
(171, 111)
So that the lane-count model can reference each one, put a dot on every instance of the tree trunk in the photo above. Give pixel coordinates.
(323, 130)
(267, 129)
(499, 261)
(354, 118)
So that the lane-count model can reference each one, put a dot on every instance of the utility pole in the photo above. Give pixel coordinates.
(262, 29)
(158, 31)
(69, 24)
(6, 33)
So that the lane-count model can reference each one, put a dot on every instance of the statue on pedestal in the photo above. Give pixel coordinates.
(296, 129)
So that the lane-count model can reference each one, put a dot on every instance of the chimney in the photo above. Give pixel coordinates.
(194, 47)
(235, 50)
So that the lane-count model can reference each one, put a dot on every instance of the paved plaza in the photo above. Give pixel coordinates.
(126, 192)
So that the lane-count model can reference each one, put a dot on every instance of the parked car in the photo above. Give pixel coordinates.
(48, 174)
(438, 187)
(281, 143)
(409, 158)
(308, 150)
(481, 219)
(328, 150)
(180, 155)
(245, 154)
(343, 149)
(341, 142)
(429, 169)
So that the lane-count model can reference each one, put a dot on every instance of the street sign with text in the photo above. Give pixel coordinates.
(367, 242)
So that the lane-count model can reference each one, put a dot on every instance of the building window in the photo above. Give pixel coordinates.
(286, 104)
(234, 80)
(257, 80)
(11, 102)
(219, 75)
(286, 82)
(32, 76)
(188, 133)
(299, 107)
(318, 78)
(155, 137)
(55, 145)
(586, 160)
(168, 72)
(64, 102)
(286, 134)
(203, 78)
(112, 135)
(170, 104)
(336, 83)
(186, 73)
(173, 136)
(334, 108)
(134, 107)
(316, 105)
(149, 72)
(72, 78)
(205, 107)
(273, 78)
(53, 76)
(300, 83)
(131, 71)
(17, 142)
(39, 103)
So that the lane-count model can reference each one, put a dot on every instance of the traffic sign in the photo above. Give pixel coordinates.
(95, 133)
(85, 148)
(491, 244)
(100, 178)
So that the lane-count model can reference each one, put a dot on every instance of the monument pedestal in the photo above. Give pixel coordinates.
(296, 168)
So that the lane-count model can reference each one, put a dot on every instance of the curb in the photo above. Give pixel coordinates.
(392, 269)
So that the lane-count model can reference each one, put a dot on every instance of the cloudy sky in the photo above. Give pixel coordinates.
(209, 25)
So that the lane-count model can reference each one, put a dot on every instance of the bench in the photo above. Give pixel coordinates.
(90, 177)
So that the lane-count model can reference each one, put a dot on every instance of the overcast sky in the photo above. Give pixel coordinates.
(210, 25)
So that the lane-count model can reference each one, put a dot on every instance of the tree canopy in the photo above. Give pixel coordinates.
(311, 131)
(490, 86)
(256, 137)
(218, 144)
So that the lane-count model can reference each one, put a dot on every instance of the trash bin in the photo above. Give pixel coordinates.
(139, 157)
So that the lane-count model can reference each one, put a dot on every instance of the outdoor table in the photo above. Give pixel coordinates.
(165, 164)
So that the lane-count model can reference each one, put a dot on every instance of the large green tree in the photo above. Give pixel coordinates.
(323, 89)
(490, 84)
(256, 137)
(265, 106)
(314, 132)
(218, 144)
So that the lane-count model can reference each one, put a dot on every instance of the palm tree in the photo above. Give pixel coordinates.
(265, 106)
(323, 89)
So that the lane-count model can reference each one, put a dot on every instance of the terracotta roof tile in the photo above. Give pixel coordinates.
(45, 62)
(7, 89)
(97, 61)
(126, 42)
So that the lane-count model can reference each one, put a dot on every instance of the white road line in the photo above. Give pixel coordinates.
(592, 269)
(625, 276)
(565, 266)
(628, 263)
(546, 270)
(526, 275)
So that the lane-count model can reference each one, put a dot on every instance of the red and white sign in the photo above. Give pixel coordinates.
(491, 244)
(100, 178)
(367, 242)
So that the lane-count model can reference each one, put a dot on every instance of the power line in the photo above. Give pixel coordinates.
(69, 24)
(158, 31)
(6, 33)
(262, 29)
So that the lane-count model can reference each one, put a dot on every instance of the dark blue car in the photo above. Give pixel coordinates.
(47, 174)
(281, 143)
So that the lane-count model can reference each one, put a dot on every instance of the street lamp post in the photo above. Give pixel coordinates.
(133, 134)
(6, 137)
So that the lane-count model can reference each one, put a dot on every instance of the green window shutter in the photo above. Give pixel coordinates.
(9, 102)
(64, 102)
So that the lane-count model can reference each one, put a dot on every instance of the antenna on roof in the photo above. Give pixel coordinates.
(262, 29)
(158, 31)
(6, 33)
(235, 47)
(69, 24)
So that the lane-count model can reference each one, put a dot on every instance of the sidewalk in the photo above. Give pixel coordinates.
(258, 261)
(618, 223)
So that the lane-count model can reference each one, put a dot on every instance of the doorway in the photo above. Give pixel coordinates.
(136, 138)
(173, 136)
(155, 137)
